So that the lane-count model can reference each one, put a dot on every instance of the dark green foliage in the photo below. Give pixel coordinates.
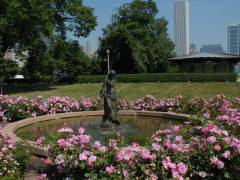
(134, 78)
(163, 77)
(138, 41)
(70, 60)
(32, 26)
(8, 69)
(22, 155)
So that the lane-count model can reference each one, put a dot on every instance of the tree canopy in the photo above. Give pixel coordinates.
(137, 39)
(32, 25)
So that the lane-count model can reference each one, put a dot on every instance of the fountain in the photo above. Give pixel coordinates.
(136, 126)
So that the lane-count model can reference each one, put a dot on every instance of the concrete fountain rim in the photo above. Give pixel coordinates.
(11, 128)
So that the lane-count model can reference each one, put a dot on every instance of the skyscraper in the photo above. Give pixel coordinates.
(88, 49)
(234, 40)
(234, 43)
(181, 17)
(193, 49)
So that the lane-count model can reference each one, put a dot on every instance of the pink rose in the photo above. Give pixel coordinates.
(226, 154)
(91, 160)
(156, 146)
(211, 139)
(110, 169)
(182, 168)
(81, 130)
(217, 148)
(48, 162)
(97, 144)
(83, 157)
(217, 162)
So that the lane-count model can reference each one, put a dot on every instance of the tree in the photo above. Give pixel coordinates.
(8, 69)
(68, 59)
(138, 41)
(24, 24)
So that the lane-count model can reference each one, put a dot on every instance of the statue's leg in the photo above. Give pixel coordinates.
(105, 115)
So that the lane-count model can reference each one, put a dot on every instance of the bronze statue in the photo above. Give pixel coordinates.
(109, 95)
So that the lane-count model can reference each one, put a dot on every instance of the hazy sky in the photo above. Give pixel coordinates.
(208, 19)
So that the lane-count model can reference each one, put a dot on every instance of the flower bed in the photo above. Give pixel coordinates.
(207, 147)
(12, 159)
(18, 108)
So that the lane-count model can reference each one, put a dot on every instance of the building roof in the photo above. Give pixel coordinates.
(206, 56)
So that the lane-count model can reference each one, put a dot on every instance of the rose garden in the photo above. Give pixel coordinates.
(62, 116)
(207, 145)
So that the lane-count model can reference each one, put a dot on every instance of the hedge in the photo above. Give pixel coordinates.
(135, 78)
(164, 77)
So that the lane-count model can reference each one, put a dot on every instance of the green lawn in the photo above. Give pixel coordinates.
(129, 90)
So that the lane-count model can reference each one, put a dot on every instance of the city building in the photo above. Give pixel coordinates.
(206, 63)
(193, 49)
(212, 48)
(181, 17)
(234, 40)
(12, 56)
(234, 43)
(87, 49)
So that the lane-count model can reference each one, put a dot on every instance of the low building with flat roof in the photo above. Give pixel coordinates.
(206, 63)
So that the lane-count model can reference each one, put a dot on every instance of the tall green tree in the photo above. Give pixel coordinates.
(8, 69)
(70, 58)
(24, 24)
(137, 39)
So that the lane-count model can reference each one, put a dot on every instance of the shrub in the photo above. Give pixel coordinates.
(205, 147)
(133, 78)
(164, 77)
(13, 158)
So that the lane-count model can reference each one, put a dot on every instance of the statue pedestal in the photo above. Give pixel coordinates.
(109, 124)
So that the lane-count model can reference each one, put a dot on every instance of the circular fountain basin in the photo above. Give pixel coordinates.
(136, 126)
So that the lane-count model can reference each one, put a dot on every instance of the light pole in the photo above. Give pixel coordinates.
(108, 60)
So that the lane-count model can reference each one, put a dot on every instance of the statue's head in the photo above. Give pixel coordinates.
(112, 74)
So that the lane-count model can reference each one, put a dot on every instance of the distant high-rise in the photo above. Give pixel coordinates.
(234, 40)
(88, 49)
(234, 43)
(181, 17)
(193, 49)
(212, 48)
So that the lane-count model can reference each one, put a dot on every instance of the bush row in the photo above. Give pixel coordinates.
(164, 77)
(128, 78)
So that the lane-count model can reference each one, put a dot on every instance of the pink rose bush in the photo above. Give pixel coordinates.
(207, 146)
(150, 103)
(12, 162)
(17, 108)
(187, 151)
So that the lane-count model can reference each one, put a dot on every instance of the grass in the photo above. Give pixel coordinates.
(129, 90)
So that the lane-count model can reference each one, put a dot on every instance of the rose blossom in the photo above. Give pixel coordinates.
(103, 149)
(226, 154)
(156, 146)
(110, 169)
(69, 130)
(81, 130)
(217, 147)
(202, 174)
(48, 162)
(217, 162)
(40, 140)
(182, 168)
(179, 139)
(97, 144)
(83, 156)
(211, 139)
(91, 159)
